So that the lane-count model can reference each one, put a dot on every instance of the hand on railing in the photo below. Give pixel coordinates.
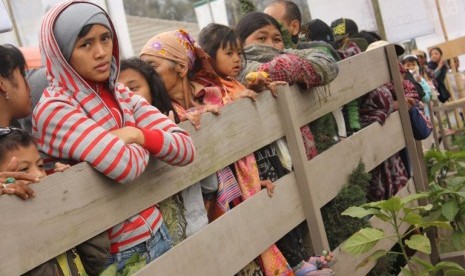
(16, 183)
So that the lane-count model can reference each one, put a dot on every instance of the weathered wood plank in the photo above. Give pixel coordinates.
(229, 243)
(342, 158)
(73, 206)
(371, 72)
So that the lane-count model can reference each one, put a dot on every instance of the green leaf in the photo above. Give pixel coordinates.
(454, 272)
(394, 204)
(458, 240)
(438, 224)
(373, 257)
(426, 265)
(461, 164)
(406, 272)
(447, 265)
(362, 241)
(413, 218)
(359, 212)
(420, 243)
(450, 209)
(412, 197)
(427, 207)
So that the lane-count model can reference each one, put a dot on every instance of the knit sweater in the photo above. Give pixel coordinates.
(71, 121)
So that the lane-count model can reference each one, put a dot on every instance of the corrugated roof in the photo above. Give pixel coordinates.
(141, 29)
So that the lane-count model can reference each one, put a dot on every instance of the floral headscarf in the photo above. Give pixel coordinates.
(177, 46)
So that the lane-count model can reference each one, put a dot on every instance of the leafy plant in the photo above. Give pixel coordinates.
(447, 191)
(398, 213)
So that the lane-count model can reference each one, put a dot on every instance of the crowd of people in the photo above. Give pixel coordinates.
(90, 106)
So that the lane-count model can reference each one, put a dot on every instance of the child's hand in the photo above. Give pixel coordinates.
(269, 186)
(246, 93)
(19, 188)
(215, 109)
(273, 87)
(60, 167)
(257, 81)
(194, 118)
(129, 135)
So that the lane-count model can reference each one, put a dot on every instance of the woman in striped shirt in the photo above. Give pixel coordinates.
(84, 115)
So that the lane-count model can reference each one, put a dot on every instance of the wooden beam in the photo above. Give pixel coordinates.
(342, 158)
(228, 244)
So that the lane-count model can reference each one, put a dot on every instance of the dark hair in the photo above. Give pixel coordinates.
(435, 48)
(214, 36)
(160, 98)
(10, 59)
(317, 30)
(369, 36)
(14, 140)
(410, 58)
(252, 22)
(292, 10)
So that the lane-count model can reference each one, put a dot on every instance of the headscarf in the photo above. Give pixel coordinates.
(60, 26)
(70, 22)
(177, 46)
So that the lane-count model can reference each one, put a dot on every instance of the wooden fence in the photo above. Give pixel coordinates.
(73, 206)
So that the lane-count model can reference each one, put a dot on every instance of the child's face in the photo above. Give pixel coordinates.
(410, 65)
(29, 161)
(228, 61)
(136, 82)
(435, 56)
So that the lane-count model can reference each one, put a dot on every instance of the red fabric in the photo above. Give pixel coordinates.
(153, 140)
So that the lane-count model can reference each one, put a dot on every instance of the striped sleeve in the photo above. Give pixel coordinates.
(64, 132)
(177, 146)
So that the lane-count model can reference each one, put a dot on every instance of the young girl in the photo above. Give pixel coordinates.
(85, 116)
(15, 104)
(437, 64)
(141, 79)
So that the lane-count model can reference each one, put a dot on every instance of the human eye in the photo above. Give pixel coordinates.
(278, 39)
(261, 38)
(85, 44)
(106, 37)
(24, 169)
(134, 88)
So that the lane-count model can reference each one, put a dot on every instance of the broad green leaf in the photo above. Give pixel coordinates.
(438, 224)
(363, 241)
(359, 212)
(413, 218)
(450, 209)
(458, 240)
(461, 164)
(420, 243)
(374, 204)
(394, 204)
(412, 197)
(373, 257)
(406, 272)
(454, 181)
(426, 265)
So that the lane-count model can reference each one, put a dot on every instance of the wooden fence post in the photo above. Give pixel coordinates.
(312, 211)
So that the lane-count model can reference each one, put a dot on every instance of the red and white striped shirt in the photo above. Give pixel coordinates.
(71, 121)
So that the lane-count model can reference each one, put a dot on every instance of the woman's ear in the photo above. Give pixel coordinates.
(3, 85)
(181, 70)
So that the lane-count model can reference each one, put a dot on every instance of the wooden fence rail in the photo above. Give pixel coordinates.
(73, 206)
